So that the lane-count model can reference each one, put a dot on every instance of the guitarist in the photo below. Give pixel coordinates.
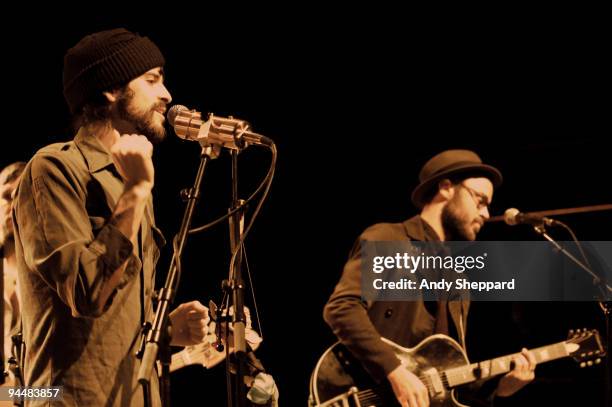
(454, 193)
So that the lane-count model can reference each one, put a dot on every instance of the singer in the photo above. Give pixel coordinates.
(454, 194)
(85, 234)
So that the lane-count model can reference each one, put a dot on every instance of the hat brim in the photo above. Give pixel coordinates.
(487, 171)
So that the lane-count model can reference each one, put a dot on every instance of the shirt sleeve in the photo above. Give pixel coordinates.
(58, 239)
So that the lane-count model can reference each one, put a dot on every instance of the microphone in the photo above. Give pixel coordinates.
(513, 216)
(225, 132)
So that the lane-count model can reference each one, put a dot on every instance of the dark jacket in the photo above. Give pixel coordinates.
(360, 325)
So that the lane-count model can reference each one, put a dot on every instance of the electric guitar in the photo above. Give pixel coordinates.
(206, 353)
(440, 363)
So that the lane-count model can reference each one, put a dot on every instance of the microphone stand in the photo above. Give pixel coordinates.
(158, 334)
(236, 285)
(605, 305)
(541, 230)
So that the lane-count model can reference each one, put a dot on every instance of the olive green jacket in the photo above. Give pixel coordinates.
(66, 249)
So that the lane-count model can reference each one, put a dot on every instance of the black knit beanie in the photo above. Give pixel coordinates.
(104, 60)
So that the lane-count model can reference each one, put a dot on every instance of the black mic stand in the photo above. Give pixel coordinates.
(605, 305)
(157, 335)
(236, 285)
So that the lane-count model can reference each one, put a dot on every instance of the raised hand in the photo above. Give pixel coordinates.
(132, 155)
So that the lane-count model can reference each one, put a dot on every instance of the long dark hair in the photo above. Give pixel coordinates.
(96, 109)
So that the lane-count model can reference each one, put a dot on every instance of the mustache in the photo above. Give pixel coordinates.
(160, 107)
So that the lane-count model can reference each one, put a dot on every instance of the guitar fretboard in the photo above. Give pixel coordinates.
(493, 367)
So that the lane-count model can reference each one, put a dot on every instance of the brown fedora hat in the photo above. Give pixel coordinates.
(447, 164)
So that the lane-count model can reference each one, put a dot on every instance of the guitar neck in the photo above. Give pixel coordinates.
(494, 367)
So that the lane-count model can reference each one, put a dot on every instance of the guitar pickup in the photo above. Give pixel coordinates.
(434, 382)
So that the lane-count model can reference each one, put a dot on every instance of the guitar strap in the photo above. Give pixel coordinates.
(441, 326)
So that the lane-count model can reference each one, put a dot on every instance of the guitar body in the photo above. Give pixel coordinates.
(337, 372)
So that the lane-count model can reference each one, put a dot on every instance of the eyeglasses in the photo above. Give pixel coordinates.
(481, 200)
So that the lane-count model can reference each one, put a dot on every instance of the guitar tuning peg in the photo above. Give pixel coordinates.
(597, 361)
(590, 363)
(571, 332)
(218, 345)
(212, 310)
(582, 364)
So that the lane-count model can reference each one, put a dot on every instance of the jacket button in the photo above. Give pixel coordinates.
(388, 312)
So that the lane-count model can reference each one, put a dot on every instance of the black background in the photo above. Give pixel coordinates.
(356, 105)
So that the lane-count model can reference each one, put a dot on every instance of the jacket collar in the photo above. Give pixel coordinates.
(96, 155)
(417, 229)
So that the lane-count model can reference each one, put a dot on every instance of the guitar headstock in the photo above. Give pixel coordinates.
(207, 355)
(585, 346)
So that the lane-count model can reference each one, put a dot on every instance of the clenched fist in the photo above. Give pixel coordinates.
(132, 157)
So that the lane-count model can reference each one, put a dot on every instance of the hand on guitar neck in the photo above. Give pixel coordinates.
(519, 376)
(206, 352)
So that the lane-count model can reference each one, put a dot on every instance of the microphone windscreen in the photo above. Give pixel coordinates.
(173, 112)
(510, 216)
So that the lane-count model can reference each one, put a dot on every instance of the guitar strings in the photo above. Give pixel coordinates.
(374, 394)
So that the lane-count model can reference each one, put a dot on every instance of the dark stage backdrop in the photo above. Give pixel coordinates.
(355, 112)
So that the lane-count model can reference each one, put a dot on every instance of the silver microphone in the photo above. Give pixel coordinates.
(222, 131)
(513, 216)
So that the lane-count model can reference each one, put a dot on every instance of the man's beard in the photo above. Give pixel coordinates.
(144, 122)
(455, 227)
